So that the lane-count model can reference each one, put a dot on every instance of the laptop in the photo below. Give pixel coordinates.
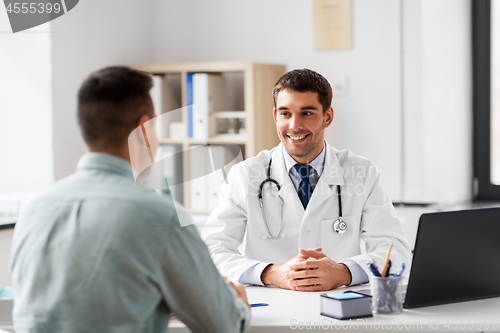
(456, 258)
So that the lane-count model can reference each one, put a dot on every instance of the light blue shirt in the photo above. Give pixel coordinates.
(97, 253)
(253, 274)
(317, 169)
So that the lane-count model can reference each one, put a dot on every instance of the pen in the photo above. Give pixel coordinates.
(400, 270)
(388, 269)
(374, 269)
(387, 260)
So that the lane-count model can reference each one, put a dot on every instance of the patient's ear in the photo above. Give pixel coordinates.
(142, 119)
(141, 123)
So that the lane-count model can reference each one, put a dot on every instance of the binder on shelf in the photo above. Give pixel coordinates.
(208, 168)
(189, 102)
(171, 158)
(164, 100)
(216, 178)
(199, 172)
(209, 95)
(156, 97)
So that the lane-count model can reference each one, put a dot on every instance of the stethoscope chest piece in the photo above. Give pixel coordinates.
(339, 226)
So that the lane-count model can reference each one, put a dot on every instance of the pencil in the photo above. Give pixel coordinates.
(387, 260)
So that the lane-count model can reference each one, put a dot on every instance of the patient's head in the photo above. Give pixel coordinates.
(111, 103)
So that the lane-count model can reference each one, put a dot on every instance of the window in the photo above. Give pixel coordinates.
(486, 45)
(495, 92)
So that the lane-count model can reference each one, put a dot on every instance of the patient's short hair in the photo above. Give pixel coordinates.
(304, 80)
(110, 102)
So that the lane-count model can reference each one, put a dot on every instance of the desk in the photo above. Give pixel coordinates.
(289, 309)
(292, 311)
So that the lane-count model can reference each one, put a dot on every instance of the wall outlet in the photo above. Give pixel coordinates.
(341, 87)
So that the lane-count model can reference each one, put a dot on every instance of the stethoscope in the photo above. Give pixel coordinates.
(339, 224)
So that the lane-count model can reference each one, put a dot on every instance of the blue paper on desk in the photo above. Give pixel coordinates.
(254, 303)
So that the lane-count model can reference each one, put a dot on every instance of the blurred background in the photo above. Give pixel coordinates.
(403, 89)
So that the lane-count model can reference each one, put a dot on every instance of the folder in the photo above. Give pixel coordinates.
(164, 100)
(199, 173)
(209, 96)
(216, 178)
(171, 158)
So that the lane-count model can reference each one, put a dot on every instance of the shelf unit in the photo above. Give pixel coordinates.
(250, 90)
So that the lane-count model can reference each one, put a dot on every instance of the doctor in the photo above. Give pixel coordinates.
(324, 212)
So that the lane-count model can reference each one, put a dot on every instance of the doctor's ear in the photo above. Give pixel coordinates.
(329, 116)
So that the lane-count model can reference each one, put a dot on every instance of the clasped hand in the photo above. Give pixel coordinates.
(303, 274)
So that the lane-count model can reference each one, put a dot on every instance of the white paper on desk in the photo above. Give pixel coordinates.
(254, 303)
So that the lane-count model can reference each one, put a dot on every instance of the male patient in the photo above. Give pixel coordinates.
(97, 253)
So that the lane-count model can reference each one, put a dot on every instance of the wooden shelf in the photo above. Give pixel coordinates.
(202, 67)
(167, 141)
(237, 139)
(257, 82)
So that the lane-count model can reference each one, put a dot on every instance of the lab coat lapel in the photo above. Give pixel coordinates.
(287, 192)
(330, 178)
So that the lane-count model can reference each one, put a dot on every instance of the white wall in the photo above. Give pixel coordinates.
(282, 32)
(25, 111)
(408, 79)
(408, 106)
(93, 35)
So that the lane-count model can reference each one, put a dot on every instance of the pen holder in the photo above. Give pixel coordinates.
(386, 295)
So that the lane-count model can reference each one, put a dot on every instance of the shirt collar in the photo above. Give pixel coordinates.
(105, 162)
(317, 164)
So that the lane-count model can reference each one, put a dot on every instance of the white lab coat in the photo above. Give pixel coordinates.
(237, 238)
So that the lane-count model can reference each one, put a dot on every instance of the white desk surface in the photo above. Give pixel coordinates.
(289, 309)
(292, 311)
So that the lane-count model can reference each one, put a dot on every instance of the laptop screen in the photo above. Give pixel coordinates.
(456, 258)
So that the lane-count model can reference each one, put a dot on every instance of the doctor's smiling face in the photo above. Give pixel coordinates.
(300, 122)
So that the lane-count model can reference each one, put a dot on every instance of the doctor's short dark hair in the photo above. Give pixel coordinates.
(303, 80)
(110, 102)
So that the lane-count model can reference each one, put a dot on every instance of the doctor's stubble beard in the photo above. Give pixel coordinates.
(307, 150)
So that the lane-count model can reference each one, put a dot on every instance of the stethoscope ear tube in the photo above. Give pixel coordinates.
(265, 182)
(272, 181)
(265, 219)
